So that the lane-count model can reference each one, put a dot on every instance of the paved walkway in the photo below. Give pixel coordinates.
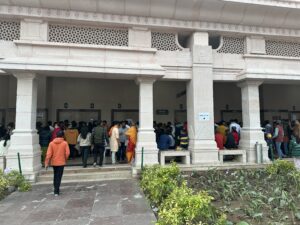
(118, 202)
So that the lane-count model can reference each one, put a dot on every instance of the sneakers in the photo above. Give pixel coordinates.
(95, 164)
(56, 195)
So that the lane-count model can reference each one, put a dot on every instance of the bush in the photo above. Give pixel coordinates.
(3, 186)
(184, 207)
(14, 178)
(281, 167)
(25, 186)
(158, 182)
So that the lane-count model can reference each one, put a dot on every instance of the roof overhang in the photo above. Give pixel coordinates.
(267, 13)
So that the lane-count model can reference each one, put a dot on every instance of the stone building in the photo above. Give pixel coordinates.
(192, 60)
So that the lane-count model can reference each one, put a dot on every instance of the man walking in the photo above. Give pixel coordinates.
(57, 154)
(99, 136)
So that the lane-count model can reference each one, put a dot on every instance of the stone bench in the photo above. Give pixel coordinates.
(241, 155)
(185, 154)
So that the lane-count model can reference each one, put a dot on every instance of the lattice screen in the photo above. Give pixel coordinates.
(232, 45)
(164, 41)
(88, 35)
(282, 48)
(9, 30)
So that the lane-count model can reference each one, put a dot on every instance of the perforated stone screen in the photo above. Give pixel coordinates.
(164, 41)
(232, 45)
(282, 48)
(88, 35)
(9, 30)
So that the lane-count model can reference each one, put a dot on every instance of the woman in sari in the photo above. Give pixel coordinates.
(132, 139)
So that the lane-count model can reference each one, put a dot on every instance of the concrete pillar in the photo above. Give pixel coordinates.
(25, 139)
(146, 135)
(251, 131)
(200, 103)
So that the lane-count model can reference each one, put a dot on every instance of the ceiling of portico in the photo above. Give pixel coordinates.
(221, 11)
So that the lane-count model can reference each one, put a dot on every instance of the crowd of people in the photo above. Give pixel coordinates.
(278, 135)
(63, 137)
(170, 137)
(227, 135)
(93, 137)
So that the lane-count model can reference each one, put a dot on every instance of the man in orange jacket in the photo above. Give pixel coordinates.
(57, 154)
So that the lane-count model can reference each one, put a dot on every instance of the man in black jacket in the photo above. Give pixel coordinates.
(99, 136)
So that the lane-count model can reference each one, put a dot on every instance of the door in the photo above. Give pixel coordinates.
(78, 115)
(228, 115)
(125, 114)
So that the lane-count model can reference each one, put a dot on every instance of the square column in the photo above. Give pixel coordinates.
(200, 103)
(25, 139)
(146, 135)
(251, 131)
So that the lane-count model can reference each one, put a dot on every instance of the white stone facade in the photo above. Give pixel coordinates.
(147, 42)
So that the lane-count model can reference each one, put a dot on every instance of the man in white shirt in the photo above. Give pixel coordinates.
(234, 123)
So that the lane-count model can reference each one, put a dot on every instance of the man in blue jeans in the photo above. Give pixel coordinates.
(278, 138)
(121, 154)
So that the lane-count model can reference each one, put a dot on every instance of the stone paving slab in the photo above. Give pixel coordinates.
(115, 202)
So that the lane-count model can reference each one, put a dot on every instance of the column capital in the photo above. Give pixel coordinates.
(246, 83)
(256, 45)
(139, 37)
(200, 39)
(34, 29)
(146, 80)
(23, 74)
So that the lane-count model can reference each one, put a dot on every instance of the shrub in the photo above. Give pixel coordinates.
(25, 186)
(158, 182)
(281, 167)
(14, 178)
(3, 186)
(184, 207)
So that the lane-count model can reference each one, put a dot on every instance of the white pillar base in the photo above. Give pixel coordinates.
(204, 152)
(146, 140)
(27, 144)
(249, 137)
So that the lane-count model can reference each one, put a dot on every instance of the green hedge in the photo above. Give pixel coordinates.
(281, 167)
(176, 203)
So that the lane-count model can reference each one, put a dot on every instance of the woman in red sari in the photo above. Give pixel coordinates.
(132, 139)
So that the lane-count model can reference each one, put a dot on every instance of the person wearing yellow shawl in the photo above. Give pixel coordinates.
(132, 139)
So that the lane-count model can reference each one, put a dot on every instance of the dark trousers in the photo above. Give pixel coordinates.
(58, 173)
(121, 154)
(98, 150)
(72, 151)
(85, 154)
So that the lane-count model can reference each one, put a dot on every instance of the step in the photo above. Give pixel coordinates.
(90, 169)
(87, 176)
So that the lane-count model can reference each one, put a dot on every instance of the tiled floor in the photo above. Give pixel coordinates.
(118, 202)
